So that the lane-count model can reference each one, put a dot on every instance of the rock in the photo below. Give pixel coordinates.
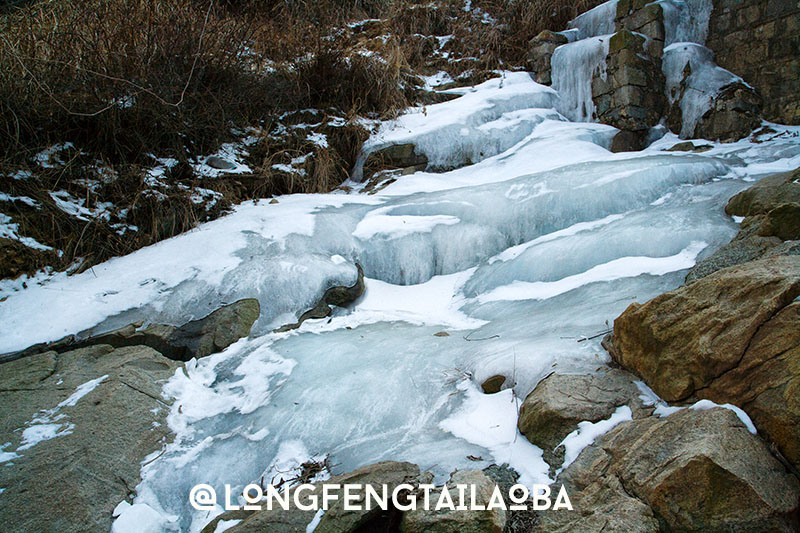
(395, 156)
(689, 146)
(219, 163)
(73, 482)
(217, 331)
(735, 112)
(628, 141)
(493, 384)
(336, 519)
(441, 334)
(782, 222)
(769, 220)
(692, 471)
(195, 339)
(731, 337)
(540, 51)
(447, 521)
(768, 193)
(273, 201)
(560, 401)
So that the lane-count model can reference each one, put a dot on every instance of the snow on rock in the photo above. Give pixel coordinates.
(595, 22)
(662, 409)
(486, 120)
(490, 421)
(588, 432)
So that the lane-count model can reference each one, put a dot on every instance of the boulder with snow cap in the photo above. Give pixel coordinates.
(731, 337)
(695, 470)
(561, 401)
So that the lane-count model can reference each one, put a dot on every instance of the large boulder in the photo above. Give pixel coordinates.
(467, 521)
(731, 337)
(767, 194)
(196, 339)
(103, 411)
(771, 209)
(560, 401)
(692, 471)
(217, 331)
(734, 113)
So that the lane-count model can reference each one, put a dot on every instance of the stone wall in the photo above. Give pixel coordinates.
(631, 96)
(759, 41)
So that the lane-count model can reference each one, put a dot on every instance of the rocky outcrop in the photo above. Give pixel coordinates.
(73, 481)
(771, 210)
(403, 157)
(767, 194)
(493, 384)
(691, 471)
(468, 521)
(560, 401)
(195, 339)
(734, 113)
(731, 337)
(759, 41)
(540, 51)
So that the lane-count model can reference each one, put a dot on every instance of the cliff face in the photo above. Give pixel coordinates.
(760, 41)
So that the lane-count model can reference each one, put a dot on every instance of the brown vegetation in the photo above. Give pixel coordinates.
(129, 81)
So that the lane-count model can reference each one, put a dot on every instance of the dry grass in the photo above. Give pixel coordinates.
(127, 80)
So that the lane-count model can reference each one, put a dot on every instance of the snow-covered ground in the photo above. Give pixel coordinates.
(539, 244)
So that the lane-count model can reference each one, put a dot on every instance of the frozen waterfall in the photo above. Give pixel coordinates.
(538, 244)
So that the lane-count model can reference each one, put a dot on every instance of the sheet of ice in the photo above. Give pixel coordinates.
(312, 526)
(595, 22)
(486, 120)
(685, 20)
(138, 518)
(180, 279)
(573, 67)
(618, 268)
(490, 421)
(393, 227)
(551, 143)
(588, 432)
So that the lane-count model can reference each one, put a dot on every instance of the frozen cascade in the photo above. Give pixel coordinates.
(574, 64)
(686, 21)
(595, 22)
(540, 242)
(700, 88)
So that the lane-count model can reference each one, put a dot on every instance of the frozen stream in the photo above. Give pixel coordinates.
(544, 240)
